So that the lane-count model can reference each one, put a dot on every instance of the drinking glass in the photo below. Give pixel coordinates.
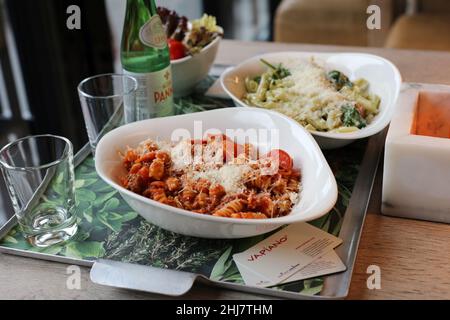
(107, 101)
(39, 176)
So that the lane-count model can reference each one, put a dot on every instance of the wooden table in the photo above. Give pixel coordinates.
(413, 255)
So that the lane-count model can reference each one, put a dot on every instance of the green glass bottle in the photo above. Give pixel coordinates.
(145, 56)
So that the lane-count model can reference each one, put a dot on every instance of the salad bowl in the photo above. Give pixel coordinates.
(189, 71)
(383, 77)
(318, 185)
(192, 47)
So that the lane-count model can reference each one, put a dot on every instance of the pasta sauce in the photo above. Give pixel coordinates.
(214, 176)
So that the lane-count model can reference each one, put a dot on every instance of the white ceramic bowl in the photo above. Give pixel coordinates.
(187, 72)
(383, 77)
(318, 196)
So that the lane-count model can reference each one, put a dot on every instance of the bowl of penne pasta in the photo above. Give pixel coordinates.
(338, 97)
(227, 173)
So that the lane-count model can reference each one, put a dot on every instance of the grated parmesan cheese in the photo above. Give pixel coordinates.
(208, 165)
(312, 88)
(181, 155)
(231, 176)
(293, 196)
(164, 145)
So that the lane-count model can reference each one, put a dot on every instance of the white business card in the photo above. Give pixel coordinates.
(328, 264)
(284, 253)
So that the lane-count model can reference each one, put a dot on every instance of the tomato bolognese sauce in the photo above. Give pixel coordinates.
(215, 176)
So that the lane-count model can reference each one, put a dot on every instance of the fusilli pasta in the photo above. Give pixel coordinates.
(239, 186)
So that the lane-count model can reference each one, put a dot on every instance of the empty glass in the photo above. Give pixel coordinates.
(107, 101)
(39, 176)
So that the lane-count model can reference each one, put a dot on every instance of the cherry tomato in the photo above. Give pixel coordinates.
(177, 49)
(284, 159)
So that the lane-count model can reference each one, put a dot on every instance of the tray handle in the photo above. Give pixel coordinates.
(142, 278)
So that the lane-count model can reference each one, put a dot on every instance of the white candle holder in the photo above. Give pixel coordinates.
(416, 181)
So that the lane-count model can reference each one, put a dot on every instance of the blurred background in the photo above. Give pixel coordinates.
(41, 61)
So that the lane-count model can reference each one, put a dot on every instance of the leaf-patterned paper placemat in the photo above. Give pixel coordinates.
(110, 229)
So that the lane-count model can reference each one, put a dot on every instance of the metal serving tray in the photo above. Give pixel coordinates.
(161, 273)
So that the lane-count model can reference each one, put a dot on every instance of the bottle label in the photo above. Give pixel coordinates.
(154, 97)
(152, 33)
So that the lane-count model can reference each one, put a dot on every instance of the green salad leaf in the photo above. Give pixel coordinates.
(279, 72)
(339, 80)
(351, 117)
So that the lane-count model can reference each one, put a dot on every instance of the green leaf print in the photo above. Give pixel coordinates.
(111, 204)
(103, 198)
(85, 249)
(221, 265)
(84, 195)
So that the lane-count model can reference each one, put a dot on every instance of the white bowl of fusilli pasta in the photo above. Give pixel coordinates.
(277, 174)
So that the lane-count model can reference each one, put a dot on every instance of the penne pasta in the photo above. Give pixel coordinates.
(317, 99)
